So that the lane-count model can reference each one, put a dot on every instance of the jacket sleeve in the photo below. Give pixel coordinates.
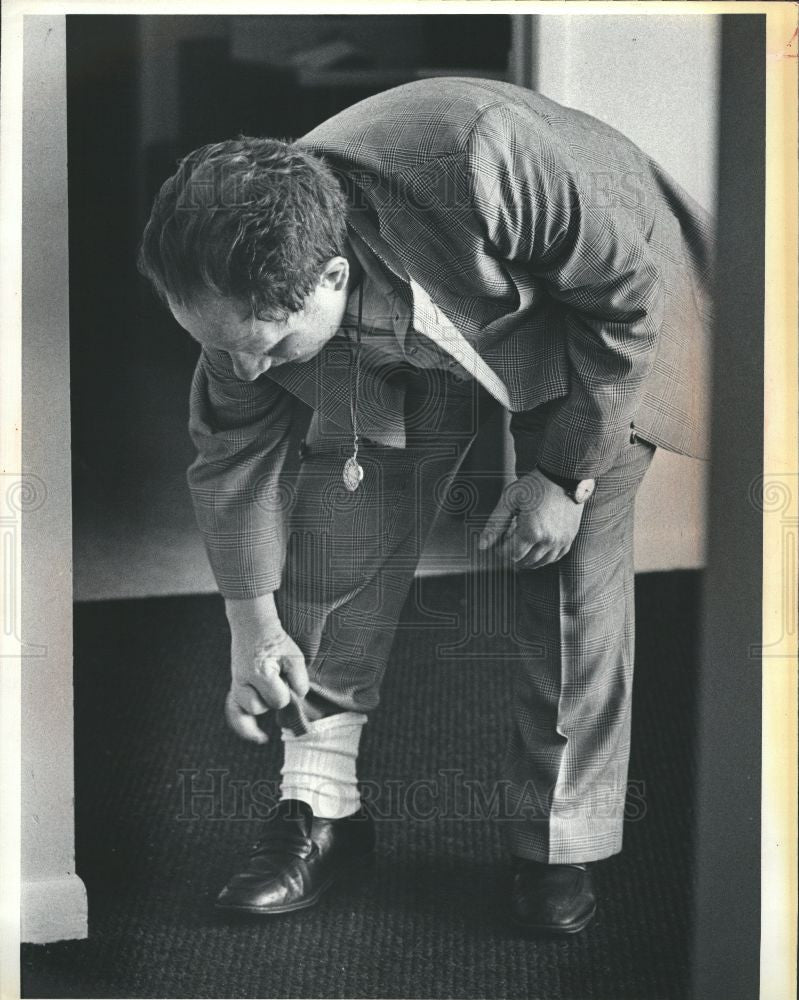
(536, 206)
(241, 432)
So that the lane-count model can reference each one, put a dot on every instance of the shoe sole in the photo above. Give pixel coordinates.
(348, 871)
(550, 930)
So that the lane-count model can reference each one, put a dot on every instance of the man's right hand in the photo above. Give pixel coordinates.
(266, 666)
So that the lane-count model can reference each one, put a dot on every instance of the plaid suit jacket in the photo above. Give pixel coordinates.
(577, 269)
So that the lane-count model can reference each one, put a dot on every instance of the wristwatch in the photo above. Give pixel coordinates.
(578, 490)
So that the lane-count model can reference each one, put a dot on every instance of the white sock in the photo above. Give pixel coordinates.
(319, 766)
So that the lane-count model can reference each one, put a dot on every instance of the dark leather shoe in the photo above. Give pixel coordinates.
(552, 899)
(297, 859)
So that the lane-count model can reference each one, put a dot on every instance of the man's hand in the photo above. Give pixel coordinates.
(266, 667)
(535, 522)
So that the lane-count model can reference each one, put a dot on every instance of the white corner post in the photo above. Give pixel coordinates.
(53, 898)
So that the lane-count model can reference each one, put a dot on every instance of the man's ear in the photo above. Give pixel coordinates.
(335, 274)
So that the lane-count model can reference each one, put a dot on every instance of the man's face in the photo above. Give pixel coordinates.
(256, 345)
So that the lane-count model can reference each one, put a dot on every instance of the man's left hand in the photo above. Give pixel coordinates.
(535, 522)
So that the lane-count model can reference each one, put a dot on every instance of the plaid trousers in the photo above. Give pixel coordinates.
(350, 565)
(567, 758)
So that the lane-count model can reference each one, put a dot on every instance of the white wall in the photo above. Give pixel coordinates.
(53, 897)
(656, 79)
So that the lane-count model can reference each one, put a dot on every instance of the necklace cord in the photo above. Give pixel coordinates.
(354, 394)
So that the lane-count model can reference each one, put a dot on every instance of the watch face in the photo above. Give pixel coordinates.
(583, 490)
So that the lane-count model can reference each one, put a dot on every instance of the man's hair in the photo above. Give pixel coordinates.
(254, 219)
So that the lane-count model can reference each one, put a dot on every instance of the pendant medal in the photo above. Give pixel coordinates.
(353, 474)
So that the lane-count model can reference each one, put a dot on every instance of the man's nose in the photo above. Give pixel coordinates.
(249, 366)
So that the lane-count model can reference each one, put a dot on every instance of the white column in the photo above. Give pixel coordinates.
(53, 897)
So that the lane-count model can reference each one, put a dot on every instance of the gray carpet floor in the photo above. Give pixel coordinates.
(429, 920)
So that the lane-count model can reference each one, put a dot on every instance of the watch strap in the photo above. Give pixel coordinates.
(578, 490)
(564, 482)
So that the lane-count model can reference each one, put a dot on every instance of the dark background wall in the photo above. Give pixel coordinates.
(728, 794)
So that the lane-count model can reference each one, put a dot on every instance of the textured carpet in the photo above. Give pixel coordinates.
(428, 921)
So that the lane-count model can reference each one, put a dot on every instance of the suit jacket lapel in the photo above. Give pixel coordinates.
(435, 324)
(380, 248)
(430, 319)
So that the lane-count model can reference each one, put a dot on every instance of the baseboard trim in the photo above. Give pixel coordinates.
(54, 910)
